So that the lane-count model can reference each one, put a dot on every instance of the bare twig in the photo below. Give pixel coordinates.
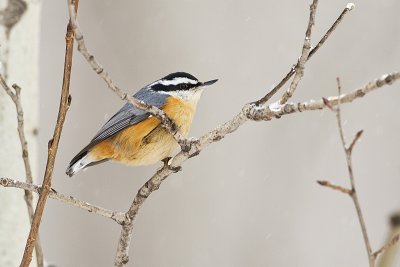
(274, 90)
(165, 120)
(354, 196)
(115, 216)
(52, 147)
(16, 98)
(276, 111)
(335, 187)
(372, 256)
(389, 254)
(388, 245)
(299, 68)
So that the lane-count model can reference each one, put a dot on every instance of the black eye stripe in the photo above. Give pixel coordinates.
(166, 88)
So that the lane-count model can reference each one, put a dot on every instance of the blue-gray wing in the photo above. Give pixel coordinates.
(128, 115)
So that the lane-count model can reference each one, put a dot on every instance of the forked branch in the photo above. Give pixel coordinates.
(16, 98)
(352, 192)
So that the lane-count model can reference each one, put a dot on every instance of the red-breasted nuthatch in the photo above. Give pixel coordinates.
(135, 137)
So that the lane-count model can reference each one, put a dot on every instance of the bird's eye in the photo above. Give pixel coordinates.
(184, 86)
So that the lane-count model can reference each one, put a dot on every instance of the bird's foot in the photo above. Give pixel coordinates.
(173, 169)
(187, 144)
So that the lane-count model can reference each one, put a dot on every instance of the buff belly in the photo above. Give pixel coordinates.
(146, 142)
(156, 146)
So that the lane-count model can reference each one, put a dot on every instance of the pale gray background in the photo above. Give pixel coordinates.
(251, 199)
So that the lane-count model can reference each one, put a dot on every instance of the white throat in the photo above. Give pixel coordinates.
(191, 96)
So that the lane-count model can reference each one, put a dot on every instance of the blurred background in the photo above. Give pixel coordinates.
(251, 199)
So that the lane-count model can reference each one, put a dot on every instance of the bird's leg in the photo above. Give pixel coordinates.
(166, 160)
(166, 164)
(40, 188)
(186, 146)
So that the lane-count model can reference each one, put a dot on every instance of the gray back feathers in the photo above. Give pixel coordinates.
(128, 115)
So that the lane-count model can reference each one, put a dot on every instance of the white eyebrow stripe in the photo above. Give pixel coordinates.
(176, 81)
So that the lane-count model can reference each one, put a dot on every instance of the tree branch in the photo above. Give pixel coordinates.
(276, 111)
(52, 147)
(388, 245)
(335, 187)
(386, 79)
(274, 90)
(354, 195)
(70, 200)
(299, 68)
(388, 254)
(16, 98)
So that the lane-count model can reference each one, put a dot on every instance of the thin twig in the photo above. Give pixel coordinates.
(354, 196)
(274, 90)
(115, 216)
(16, 98)
(388, 255)
(276, 111)
(65, 102)
(388, 245)
(335, 187)
(299, 69)
(96, 66)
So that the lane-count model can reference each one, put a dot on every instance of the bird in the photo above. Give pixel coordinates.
(136, 137)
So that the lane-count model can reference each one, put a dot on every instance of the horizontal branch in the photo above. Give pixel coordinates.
(275, 110)
(116, 216)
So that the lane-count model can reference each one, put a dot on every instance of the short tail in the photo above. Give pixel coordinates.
(80, 162)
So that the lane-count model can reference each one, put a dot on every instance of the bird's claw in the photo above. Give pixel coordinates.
(40, 189)
(173, 169)
(186, 145)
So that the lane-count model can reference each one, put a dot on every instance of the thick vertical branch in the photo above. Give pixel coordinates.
(52, 147)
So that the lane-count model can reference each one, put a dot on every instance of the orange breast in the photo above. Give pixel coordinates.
(146, 143)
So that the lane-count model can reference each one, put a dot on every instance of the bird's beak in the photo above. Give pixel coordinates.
(208, 83)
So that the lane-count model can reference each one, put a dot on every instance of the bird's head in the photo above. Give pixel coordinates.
(182, 85)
